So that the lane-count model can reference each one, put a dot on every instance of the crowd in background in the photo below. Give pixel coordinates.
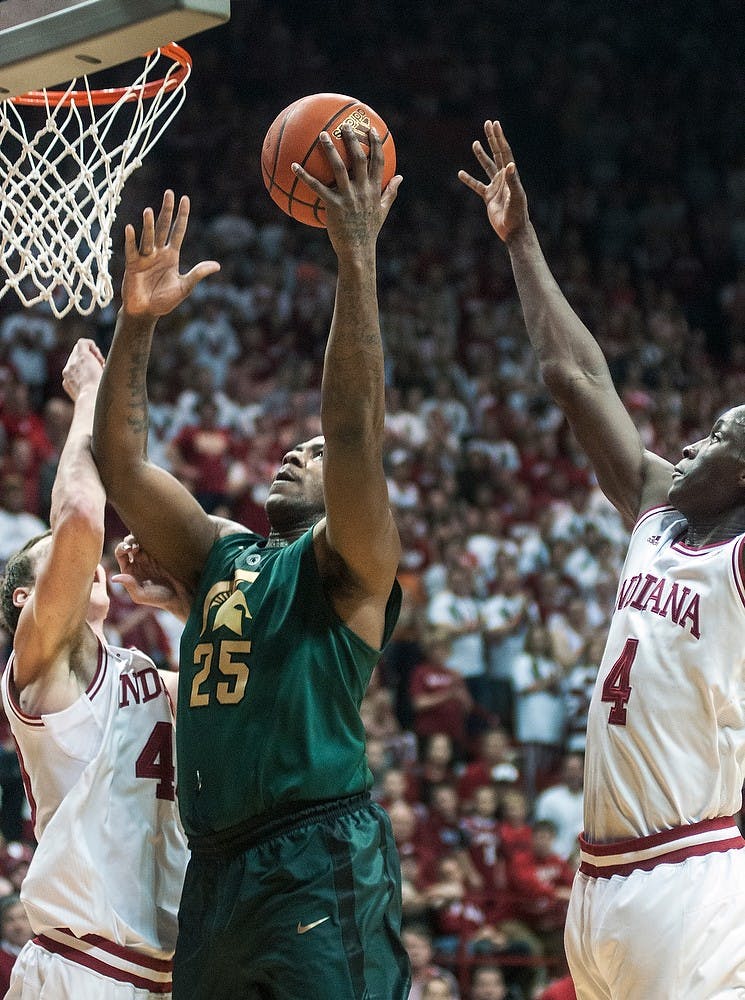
(629, 138)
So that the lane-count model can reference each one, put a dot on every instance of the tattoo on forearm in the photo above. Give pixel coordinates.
(137, 386)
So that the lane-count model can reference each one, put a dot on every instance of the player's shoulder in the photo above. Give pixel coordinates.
(656, 479)
(224, 527)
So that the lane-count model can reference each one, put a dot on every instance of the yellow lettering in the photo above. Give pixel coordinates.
(227, 692)
(203, 652)
(231, 692)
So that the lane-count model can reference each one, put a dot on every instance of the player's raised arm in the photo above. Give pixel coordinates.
(572, 363)
(154, 505)
(359, 526)
(55, 598)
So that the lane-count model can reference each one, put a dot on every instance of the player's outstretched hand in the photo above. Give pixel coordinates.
(83, 368)
(152, 284)
(147, 582)
(355, 207)
(503, 194)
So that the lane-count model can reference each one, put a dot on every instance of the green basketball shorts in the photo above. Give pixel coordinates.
(307, 907)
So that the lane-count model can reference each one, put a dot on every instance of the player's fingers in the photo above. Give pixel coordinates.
(510, 173)
(376, 159)
(147, 239)
(130, 243)
(341, 174)
(490, 167)
(129, 544)
(135, 590)
(357, 156)
(493, 142)
(182, 220)
(199, 272)
(390, 193)
(478, 186)
(163, 225)
(92, 348)
(502, 144)
(313, 183)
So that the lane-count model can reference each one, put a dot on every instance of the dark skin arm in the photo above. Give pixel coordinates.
(357, 543)
(572, 364)
(166, 519)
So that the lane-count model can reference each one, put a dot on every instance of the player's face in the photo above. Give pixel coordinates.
(709, 479)
(297, 489)
(98, 607)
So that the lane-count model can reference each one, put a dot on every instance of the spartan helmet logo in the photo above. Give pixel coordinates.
(232, 609)
(360, 122)
(232, 613)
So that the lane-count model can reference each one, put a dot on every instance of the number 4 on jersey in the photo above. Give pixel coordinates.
(616, 687)
(156, 761)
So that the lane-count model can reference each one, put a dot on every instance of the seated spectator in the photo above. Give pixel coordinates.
(417, 861)
(506, 616)
(488, 983)
(417, 940)
(440, 700)
(21, 462)
(380, 721)
(515, 831)
(202, 456)
(460, 920)
(563, 805)
(569, 628)
(456, 608)
(15, 861)
(442, 833)
(436, 764)
(577, 686)
(15, 931)
(494, 764)
(403, 490)
(539, 708)
(397, 786)
(439, 988)
(20, 418)
(542, 881)
(17, 526)
(481, 827)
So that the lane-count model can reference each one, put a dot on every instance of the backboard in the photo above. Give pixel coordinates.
(44, 43)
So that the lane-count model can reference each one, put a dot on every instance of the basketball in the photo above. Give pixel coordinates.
(293, 138)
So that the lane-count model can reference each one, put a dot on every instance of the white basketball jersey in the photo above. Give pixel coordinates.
(101, 783)
(666, 726)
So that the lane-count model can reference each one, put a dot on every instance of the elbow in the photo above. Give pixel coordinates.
(558, 377)
(81, 517)
(568, 383)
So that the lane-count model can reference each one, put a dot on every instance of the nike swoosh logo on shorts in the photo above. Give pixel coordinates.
(304, 928)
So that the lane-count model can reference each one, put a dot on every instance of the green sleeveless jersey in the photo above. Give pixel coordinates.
(270, 686)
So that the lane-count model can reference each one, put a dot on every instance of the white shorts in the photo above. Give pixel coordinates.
(39, 974)
(674, 932)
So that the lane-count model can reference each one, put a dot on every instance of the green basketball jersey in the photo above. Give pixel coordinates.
(270, 686)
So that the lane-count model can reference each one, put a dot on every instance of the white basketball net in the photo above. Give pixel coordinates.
(60, 187)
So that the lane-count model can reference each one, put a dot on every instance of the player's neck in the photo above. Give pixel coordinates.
(279, 539)
(702, 532)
